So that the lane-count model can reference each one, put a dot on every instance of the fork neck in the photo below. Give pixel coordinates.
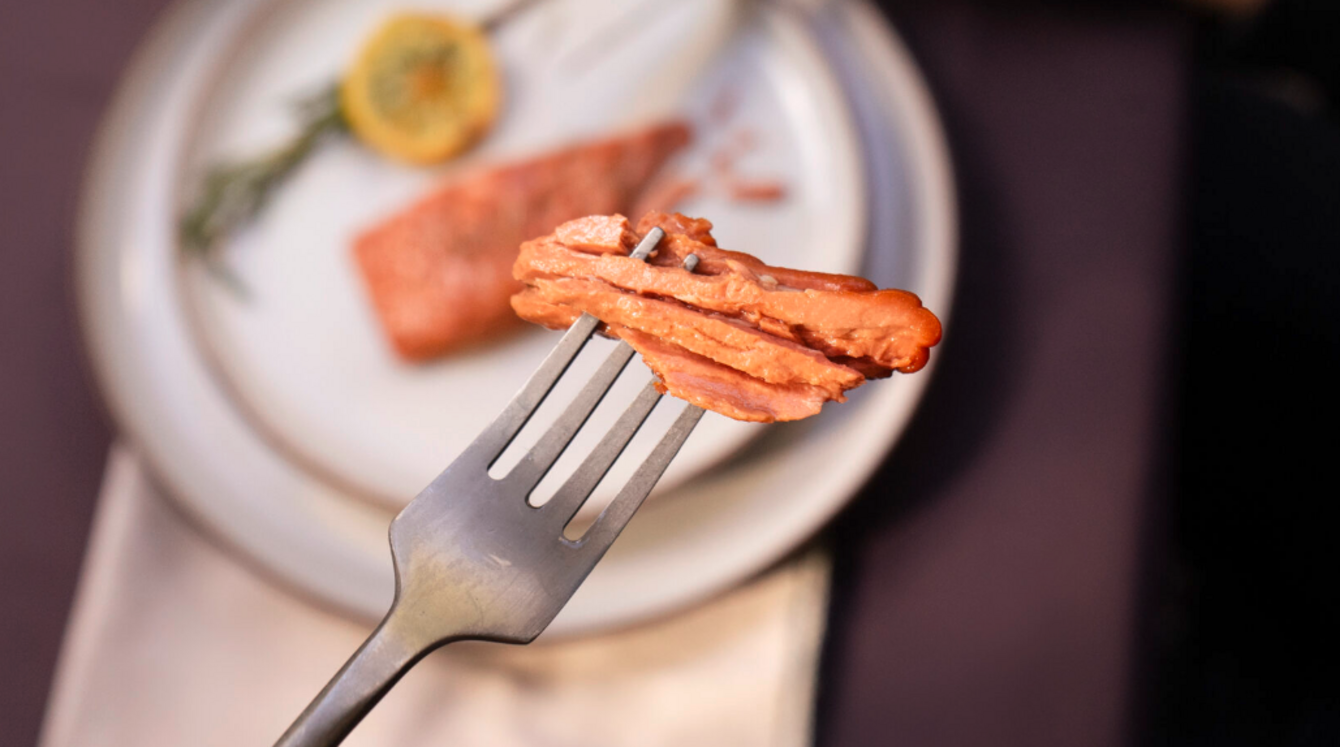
(395, 646)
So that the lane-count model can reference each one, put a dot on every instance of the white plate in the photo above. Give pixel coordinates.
(303, 355)
(715, 529)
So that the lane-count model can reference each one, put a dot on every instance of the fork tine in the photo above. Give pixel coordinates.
(648, 244)
(532, 468)
(513, 418)
(504, 428)
(612, 520)
(564, 504)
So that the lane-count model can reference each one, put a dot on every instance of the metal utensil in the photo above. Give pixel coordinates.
(474, 560)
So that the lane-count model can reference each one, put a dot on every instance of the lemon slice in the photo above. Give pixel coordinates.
(422, 89)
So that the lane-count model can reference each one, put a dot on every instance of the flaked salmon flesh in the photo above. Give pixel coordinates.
(737, 336)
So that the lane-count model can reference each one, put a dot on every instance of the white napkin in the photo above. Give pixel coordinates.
(173, 641)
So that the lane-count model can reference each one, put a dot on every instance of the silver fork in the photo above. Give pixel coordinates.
(474, 560)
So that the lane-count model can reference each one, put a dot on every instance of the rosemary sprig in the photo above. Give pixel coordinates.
(233, 194)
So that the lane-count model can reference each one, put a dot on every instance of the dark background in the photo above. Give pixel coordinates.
(1136, 475)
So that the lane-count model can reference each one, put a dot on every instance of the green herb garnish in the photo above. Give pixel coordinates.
(233, 194)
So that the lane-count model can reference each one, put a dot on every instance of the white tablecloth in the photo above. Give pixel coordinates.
(173, 641)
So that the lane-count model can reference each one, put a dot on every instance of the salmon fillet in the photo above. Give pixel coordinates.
(439, 272)
(738, 336)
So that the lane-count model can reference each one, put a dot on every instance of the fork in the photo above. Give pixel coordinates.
(474, 559)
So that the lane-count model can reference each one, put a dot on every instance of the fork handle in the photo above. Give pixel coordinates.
(373, 669)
